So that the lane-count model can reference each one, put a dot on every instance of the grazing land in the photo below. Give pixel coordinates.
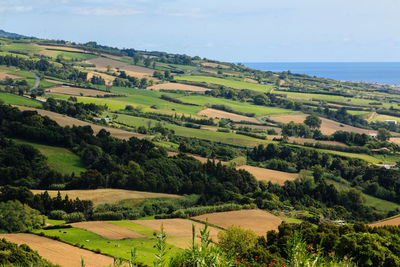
(178, 86)
(327, 126)
(215, 113)
(68, 90)
(101, 196)
(268, 175)
(257, 220)
(58, 252)
(59, 158)
(108, 230)
(179, 231)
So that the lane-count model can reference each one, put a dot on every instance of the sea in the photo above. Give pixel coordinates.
(375, 72)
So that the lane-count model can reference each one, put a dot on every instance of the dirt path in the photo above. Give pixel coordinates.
(68, 121)
(58, 252)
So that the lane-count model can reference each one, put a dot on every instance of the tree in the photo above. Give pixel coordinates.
(16, 217)
(383, 134)
(147, 62)
(313, 121)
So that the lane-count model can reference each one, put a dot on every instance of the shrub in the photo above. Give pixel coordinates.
(57, 214)
(74, 217)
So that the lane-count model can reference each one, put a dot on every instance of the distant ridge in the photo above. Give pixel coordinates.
(13, 35)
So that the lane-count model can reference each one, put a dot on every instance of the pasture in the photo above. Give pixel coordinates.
(257, 220)
(101, 196)
(19, 100)
(59, 158)
(58, 252)
(235, 83)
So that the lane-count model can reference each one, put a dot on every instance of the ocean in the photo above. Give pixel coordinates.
(379, 72)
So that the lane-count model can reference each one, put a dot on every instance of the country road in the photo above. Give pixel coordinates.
(37, 82)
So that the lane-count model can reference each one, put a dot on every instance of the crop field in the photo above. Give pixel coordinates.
(101, 196)
(59, 158)
(179, 231)
(108, 78)
(327, 126)
(178, 86)
(117, 248)
(214, 65)
(19, 100)
(107, 230)
(102, 63)
(4, 74)
(390, 221)
(58, 252)
(215, 113)
(228, 82)
(236, 105)
(257, 220)
(268, 175)
(55, 47)
(68, 121)
(381, 117)
(67, 90)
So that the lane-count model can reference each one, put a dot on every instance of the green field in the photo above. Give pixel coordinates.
(19, 100)
(235, 83)
(59, 158)
(379, 204)
(20, 47)
(117, 248)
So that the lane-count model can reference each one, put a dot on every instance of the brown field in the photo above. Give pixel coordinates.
(300, 140)
(179, 231)
(101, 196)
(68, 121)
(108, 78)
(395, 140)
(3, 76)
(215, 113)
(68, 90)
(327, 126)
(214, 65)
(107, 230)
(199, 158)
(393, 221)
(137, 71)
(58, 252)
(257, 220)
(66, 48)
(268, 175)
(178, 86)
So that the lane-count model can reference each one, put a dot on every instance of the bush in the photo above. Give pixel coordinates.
(57, 214)
(74, 217)
(107, 216)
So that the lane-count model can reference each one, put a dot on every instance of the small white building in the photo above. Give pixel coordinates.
(391, 121)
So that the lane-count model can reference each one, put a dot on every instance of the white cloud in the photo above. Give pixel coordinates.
(15, 9)
(105, 12)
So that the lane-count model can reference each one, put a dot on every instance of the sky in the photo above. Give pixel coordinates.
(227, 30)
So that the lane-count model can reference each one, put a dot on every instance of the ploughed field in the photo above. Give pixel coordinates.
(215, 113)
(262, 174)
(58, 252)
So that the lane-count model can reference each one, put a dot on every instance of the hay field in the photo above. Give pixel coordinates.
(179, 231)
(257, 220)
(100, 196)
(214, 65)
(58, 252)
(68, 90)
(215, 113)
(268, 175)
(68, 121)
(178, 86)
(108, 78)
(3, 76)
(327, 126)
(137, 71)
(66, 48)
(392, 221)
(107, 230)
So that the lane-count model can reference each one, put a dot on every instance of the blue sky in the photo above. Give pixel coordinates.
(229, 30)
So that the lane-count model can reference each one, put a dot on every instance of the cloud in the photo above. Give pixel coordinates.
(105, 12)
(15, 9)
